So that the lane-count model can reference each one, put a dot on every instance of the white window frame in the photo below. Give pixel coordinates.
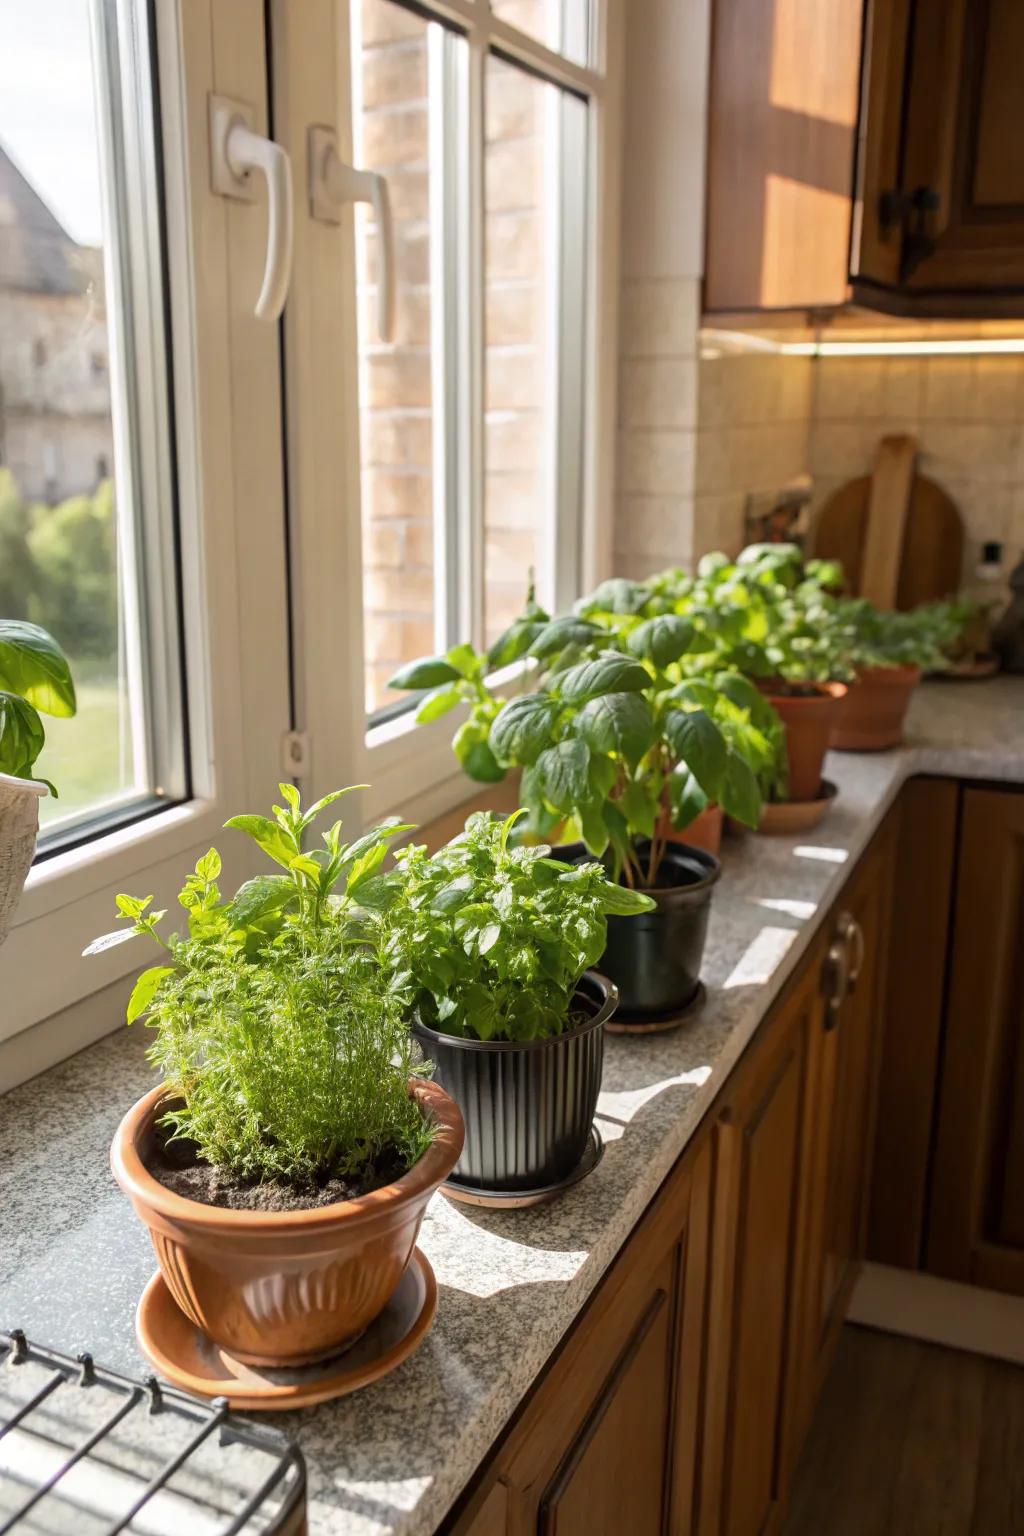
(410, 768)
(231, 523)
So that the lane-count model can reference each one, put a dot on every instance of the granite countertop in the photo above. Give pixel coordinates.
(394, 1457)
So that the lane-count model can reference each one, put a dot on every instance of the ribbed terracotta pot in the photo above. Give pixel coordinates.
(875, 709)
(284, 1288)
(528, 1104)
(810, 721)
(705, 831)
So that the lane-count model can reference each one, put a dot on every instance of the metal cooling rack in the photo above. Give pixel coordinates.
(84, 1449)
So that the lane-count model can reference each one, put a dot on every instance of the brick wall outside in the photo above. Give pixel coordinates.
(395, 382)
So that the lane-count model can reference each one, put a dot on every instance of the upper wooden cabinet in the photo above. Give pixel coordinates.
(867, 152)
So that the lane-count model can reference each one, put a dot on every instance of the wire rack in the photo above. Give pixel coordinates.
(87, 1450)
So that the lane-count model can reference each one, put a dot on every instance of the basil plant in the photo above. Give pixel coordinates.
(34, 678)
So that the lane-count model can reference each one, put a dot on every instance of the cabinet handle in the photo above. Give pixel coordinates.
(855, 954)
(235, 152)
(837, 970)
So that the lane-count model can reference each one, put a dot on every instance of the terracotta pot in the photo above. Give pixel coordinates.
(284, 1288)
(875, 708)
(810, 721)
(19, 824)
(705, 831)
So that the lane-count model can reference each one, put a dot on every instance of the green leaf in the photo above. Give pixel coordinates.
(685, 797)
(256, 899)
(639, 807)
(464, 659)
(740, 794)
(209, 866)
(617, 595)
(563, 774)
(110, 941)
(562, 632)
(438, 703)
(623, 902)
(146, 989)
(321, 805)
(594, 829)
(274, 841)
(33, 666)
(472, 750)
(610, 672)
(603, 774)
(21, 736)
(427, 672)
(366, 866)
(663, 639)
(515, 642)
(694, 739)
(522, 728)
(618, 723)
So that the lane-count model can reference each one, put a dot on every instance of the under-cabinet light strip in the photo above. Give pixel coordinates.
(963, 346)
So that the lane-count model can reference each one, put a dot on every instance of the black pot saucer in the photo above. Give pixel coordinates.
(519, 1199)
(658, 1023)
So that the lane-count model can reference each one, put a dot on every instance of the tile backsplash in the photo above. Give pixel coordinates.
(698, 433)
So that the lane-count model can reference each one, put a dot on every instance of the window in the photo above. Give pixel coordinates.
(88, 555)
(471, 417)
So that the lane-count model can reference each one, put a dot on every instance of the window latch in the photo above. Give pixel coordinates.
(235, 152)
(295, 754)
(332, 184)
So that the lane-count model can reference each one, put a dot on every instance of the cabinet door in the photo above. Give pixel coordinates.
(976, 1230)
(753, 1276)
(612, 1476)
(607, 1442)
(943, 202)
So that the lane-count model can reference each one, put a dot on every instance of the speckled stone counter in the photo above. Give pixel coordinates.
(73, 1258)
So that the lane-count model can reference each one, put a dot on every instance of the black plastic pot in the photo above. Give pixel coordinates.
(528, 1104)
(654, 958)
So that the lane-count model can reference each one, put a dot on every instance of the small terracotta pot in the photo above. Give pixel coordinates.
(285, 1288)
(875, 708)
(810, 721)
(705, 831)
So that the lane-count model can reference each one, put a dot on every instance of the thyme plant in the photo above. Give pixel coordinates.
(275, 1024)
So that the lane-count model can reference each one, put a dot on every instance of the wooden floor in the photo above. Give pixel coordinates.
(913, 1440)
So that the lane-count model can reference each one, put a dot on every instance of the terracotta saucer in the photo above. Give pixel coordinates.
(658, 1023)
(969, 671)
(786, 816)
(518, 1199)
(186, 1357)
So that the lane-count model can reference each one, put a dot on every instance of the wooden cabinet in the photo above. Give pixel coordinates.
(759, 1152)
(843, 1053)
(898, 186)
(976, 1226)
(608, 1442)
(679, 1402)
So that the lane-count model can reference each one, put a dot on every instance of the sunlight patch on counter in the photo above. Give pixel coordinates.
(761, 957)
(824, 855)
(619, 1108)
(801, 909)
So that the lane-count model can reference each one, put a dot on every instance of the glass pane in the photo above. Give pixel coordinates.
(535, 188)
(392, 66)
(561, 25)
(66, 544)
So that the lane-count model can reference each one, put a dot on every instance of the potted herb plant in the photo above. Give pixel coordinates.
(889, 650)
(284, 1164)
(494, 944)
(612, 734)
(777, 620)
(34, 677)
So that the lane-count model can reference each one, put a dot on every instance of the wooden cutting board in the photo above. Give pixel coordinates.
(898, 535)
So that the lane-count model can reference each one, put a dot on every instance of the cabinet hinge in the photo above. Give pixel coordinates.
(295, 751)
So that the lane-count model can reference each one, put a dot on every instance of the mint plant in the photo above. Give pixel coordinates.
(274, 1022)
(34, 677)
(489, 940)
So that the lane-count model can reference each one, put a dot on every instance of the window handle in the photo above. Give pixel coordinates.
(332, 184)
(236, 150)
